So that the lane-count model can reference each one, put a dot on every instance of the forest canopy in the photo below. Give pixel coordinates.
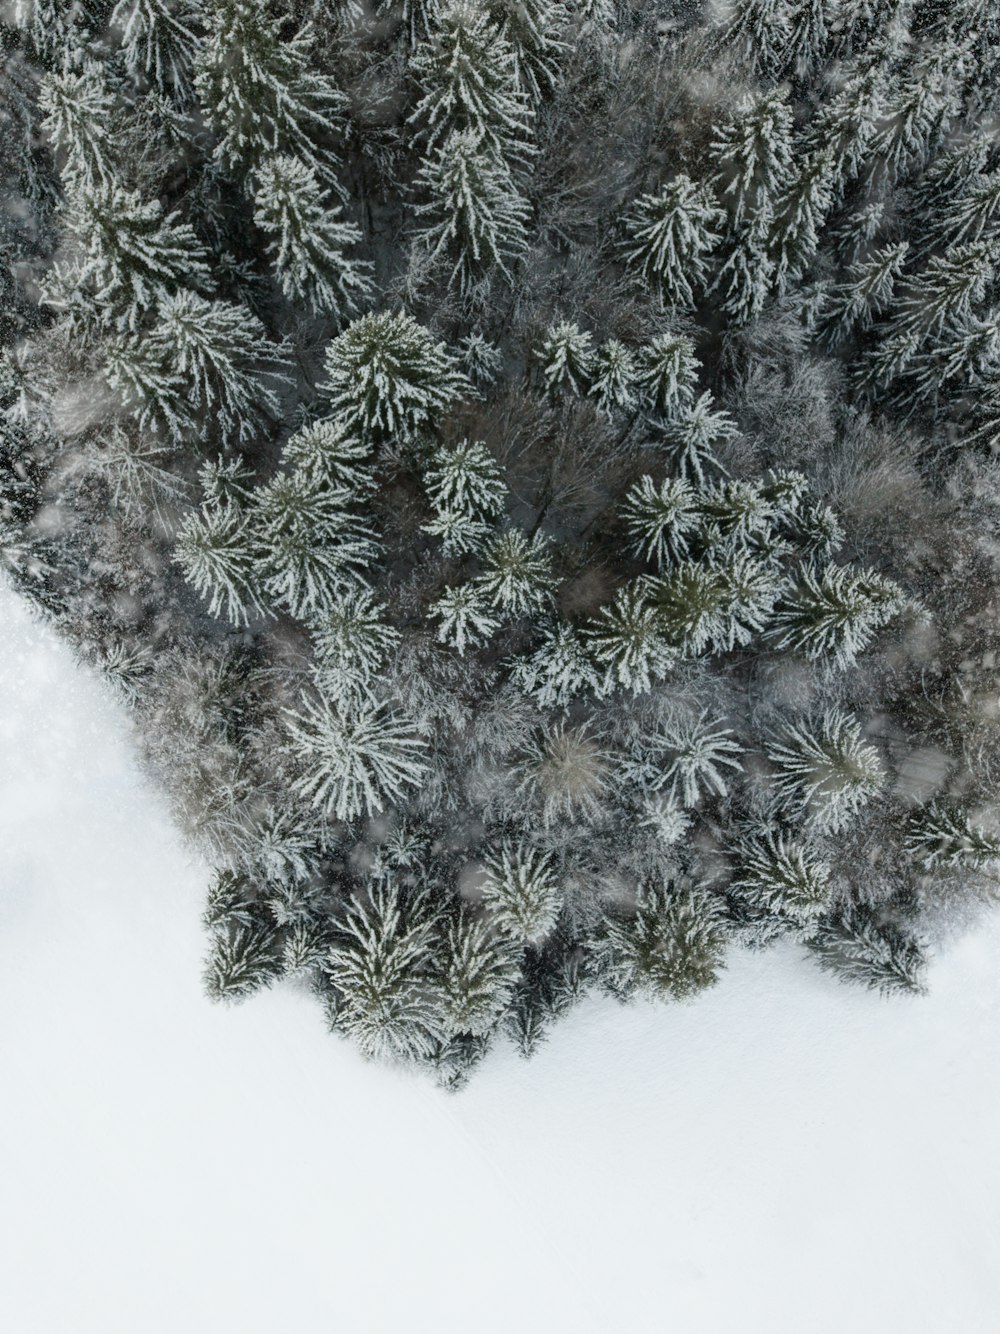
(530, 467)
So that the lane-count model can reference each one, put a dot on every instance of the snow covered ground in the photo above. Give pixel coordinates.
(785, 1156)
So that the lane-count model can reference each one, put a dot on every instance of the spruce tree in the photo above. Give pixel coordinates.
(669, 948)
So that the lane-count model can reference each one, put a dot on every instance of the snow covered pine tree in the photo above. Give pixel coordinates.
(531, 468)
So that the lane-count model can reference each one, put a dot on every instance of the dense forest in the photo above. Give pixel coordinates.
(530, 468)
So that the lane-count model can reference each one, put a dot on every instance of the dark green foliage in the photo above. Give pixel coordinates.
(859, 946)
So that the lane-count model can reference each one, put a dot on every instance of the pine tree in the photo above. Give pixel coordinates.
(627, 641)
(477, 979)
(465, 616)
(942, 836)
(258, 93)
(779, 875)
(856, 947)
(691, 603)
(356, 761)
(825, 772)
(220, 352)
(465, 477)
(669, 948)
(241, 961)
(477, 217)
(686, 758)
(309, 240)
(613, 375)
(567, 358)
(352, 642)
(521, 893)
(867, 293)
(557, 671)
(461, 531)
(387, 376)
(517, 576)
(132, 254)
(159, 39)
(328, 453)
(381, 967)
(313, 547)
(691, 435)
(667, 373)
(464, 72)
(217, 553)
(671, 235)
(834, 613)
(78, 111)
(532, 28)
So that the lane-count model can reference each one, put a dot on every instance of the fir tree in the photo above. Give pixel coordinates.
(856, 947)
(532, 27)
(159, 40)
(352, 642)
(217, 553)
(628, 642)
(779, 874)
(942, 836)
(613, 376)
(309, 240)
(464, 75)
(132, 255)
(567, 358)
(521, 893)
(465, 616)
(477, 216)
(825, 771)
(558, 670)
(834, 613)
(77, 109)
(478, 977)
(666, 374)
(671, 235)
(866, 293)
(686, 758)
(241, 962)
(219, 351)
(669, 948)
(258, 93)
(381, 967)
(465, 477)
(387, 376)
(516, 576)
(355, 761)
(691, 435)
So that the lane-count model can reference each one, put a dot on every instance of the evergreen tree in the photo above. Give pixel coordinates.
(159, 40)
(464, 72)
(465, 616)
(478, 978)
(856, 947)
(567, 358)
(559, 669)
(759, 32)
(521, 893)
(613, 377)
(352, 642)
(477, 216)
(564, 773)
(219, 351)
(355, 761)
(780, 875)
(867, 293)
(669, 948)
(329, 454)
(532, 27)
(132, 256)
(753, 155)
(217, 553)
(834, 613)
(628, 642)
(381, 967)
(516, 576)
(465, 477)
(942, 836)
(691, 435)
(78, 110)
(825, 771)
(258, 93)
(309, 240)
(241, 962)
(667, 373)
(671, 235)
(686, 758)
(386, 376)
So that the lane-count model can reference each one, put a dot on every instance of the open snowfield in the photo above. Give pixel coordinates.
(785, 1156)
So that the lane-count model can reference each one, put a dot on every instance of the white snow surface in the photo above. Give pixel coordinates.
(783, 1156)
